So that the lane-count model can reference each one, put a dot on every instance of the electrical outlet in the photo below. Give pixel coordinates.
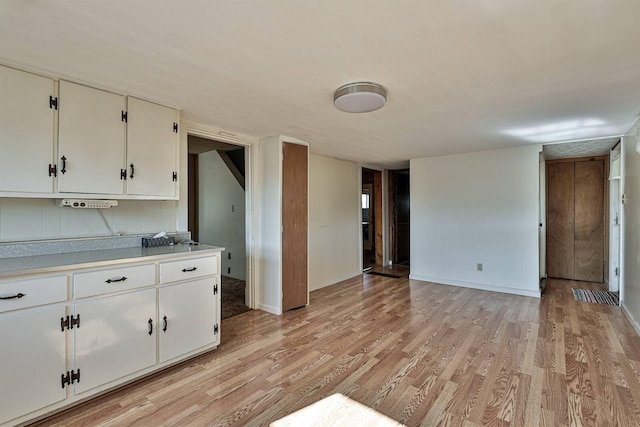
(479, 266)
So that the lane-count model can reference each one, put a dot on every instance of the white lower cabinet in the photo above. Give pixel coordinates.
(68, 336)
(33, 359)
(116, 337)
(187, 317)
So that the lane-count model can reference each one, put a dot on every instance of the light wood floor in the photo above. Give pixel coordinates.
(419, 353)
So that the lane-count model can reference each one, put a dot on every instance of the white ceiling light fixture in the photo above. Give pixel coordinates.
(361, 97)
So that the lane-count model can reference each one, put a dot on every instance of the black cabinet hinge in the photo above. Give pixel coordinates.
(69, 322)
(124, 116)
(70, 378)
(215, 289)
(175, 127)
(53, 102)
(175, 176)
(123, 174)
(53, 170)
(215, 328)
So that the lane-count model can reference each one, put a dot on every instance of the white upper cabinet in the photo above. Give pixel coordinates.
(152, 143)
(91, 149)
(26, 132)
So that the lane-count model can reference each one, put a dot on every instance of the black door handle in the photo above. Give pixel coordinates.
(132, 171)
(150, 326)
(164, 328)
(64, 165)
(186, 270)
(18, 295)
(122, 279)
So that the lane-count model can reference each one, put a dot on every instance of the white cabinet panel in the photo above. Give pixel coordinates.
(26, 132)
(91, 139)
(116, 337)
(151, 148)
(40, 291)
(187, 317)
(113, 280)
(33, 358)
(188, 269)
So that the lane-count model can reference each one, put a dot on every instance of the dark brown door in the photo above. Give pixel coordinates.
(294, 226)
(575, 220)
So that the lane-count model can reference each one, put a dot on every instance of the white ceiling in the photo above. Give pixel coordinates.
(461, 75)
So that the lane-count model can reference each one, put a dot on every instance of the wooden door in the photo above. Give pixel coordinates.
(560, 220)
(294, 226)
(589, 221)
(575, 220)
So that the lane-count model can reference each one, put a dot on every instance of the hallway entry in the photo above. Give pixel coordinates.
(371, 203)
(576, 218)
(217, 212)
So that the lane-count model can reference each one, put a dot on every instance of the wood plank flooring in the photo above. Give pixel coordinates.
(417, 353)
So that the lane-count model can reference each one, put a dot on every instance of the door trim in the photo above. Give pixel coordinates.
(250, 144)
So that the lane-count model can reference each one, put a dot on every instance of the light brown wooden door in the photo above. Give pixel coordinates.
(294, 226)
(589, 221)
(575, 220)
(560, 220)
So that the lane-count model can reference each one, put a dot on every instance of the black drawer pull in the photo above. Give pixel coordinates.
(18, 295)
(186, 270)
(150, 326)
(122, 279)
(164, 328)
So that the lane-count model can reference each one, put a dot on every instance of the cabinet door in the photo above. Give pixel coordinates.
(151, 149)
(26, 132)
(116, 337)
(91, 140)
(33, 358)
(187, 317)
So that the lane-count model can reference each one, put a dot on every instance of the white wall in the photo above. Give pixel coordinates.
(334, 221)
(631, 227)
(477, 208)
(37, 219)
(221, 212)
(269, 275)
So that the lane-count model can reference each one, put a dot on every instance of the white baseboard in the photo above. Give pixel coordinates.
(334, 281)
(481, 286)
(630, 318)
(269, 309)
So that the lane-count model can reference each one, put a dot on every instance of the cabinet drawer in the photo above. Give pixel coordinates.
(113, 280)
(40, 291)
(188, 269)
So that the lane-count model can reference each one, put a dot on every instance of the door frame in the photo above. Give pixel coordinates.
(606, 208)
(250, 145)
(380, 216)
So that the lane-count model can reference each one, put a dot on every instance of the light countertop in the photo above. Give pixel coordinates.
(26, 265)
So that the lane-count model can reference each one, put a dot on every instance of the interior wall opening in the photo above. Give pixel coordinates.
(216, 212)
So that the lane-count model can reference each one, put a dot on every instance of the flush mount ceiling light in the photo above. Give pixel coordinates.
(359, 97)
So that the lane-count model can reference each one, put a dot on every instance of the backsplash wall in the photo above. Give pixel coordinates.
(38, 219)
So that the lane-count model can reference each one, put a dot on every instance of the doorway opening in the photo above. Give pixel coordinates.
(216, 213)
(371, 209)
(399, 216)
